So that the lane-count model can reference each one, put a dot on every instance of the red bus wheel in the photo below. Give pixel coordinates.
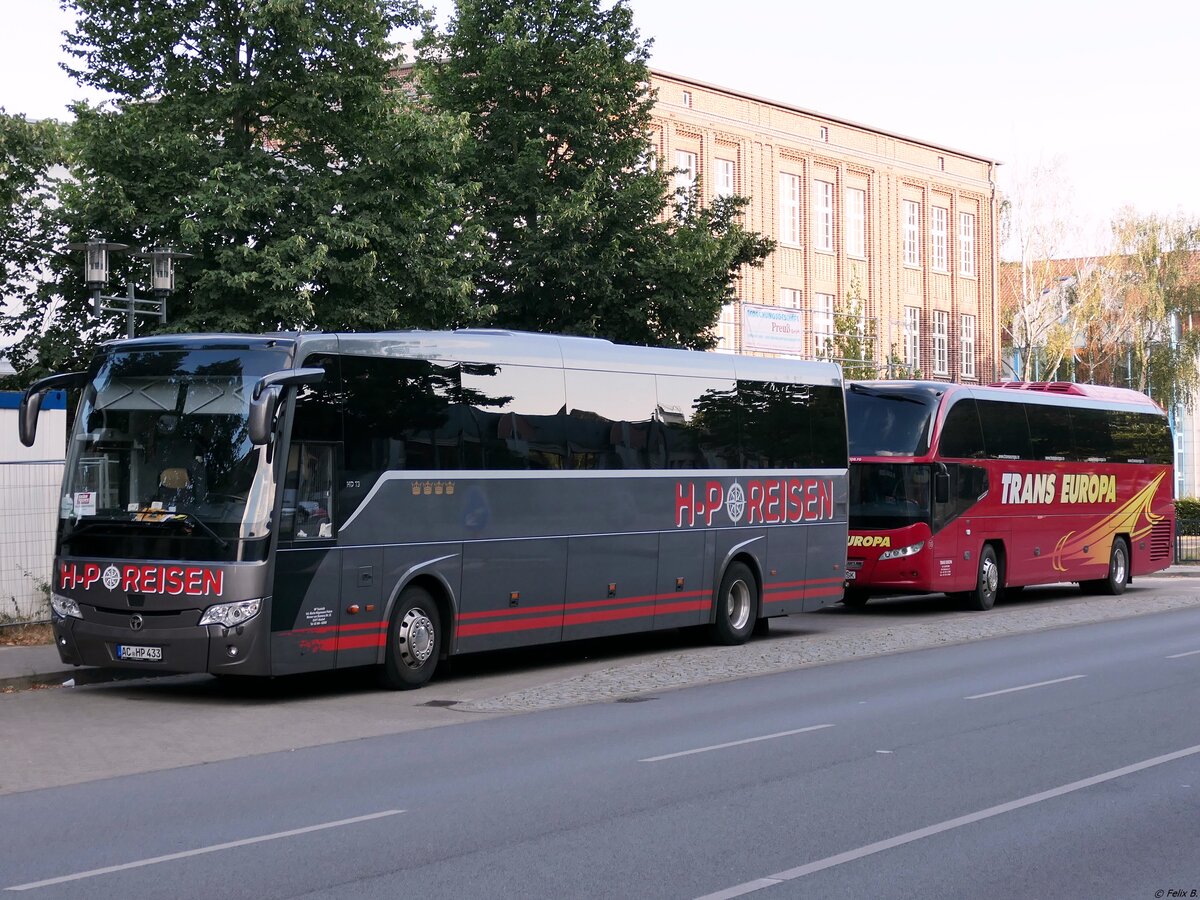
(987, 583)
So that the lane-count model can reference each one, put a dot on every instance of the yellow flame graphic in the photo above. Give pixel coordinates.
(1095, 544)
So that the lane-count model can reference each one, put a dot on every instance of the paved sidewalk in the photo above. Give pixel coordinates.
(25, 667)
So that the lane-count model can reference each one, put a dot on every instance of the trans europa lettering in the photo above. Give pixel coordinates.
(1046, 488)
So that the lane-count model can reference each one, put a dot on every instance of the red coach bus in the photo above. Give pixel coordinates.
(978, 491)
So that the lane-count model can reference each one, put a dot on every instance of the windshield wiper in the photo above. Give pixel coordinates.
(859, 389)
(189, 517)
(183, 518)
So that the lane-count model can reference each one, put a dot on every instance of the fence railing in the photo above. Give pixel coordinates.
(28, 507)
(1187, 541)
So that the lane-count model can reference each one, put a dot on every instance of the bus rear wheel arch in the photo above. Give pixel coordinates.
(415, 640)
(738, 602)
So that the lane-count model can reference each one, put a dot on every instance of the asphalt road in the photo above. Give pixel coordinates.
(1057, 763)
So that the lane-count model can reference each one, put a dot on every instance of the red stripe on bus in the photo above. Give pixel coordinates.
(561, 607)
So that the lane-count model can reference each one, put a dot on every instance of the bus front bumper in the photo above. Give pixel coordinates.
(241, 650)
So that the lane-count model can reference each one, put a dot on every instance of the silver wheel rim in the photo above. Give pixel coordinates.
(738, 605)
(415, 638)
(990, 577)
(1119, 565)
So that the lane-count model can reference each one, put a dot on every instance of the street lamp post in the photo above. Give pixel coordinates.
(162, 281)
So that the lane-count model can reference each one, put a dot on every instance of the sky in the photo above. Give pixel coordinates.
(1104, 93)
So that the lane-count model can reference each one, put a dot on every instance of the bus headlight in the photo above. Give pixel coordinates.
(65, 607)
(230, 614)
(901, 552)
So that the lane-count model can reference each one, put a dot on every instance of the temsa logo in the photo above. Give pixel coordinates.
(869, 540)
(762, 501)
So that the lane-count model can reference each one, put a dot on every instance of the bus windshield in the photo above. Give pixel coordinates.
(887, 495)
(889, 420)
(160, 447)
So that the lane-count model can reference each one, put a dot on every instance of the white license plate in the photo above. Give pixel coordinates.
(127, 651)
(851, 574)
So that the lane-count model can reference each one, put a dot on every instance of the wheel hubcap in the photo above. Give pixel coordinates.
(1119, 566)
(991, 576)
(415, 638)
(737, 605)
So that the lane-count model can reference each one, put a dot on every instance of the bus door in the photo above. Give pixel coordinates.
(957, 527)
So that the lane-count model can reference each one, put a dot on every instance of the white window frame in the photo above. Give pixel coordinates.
(790, 298)
(937, 239)
(726, 329)
(912, 337)
(789, 209)
(856, 223)
(912, 232)
(822, 326)
(723, 177)
(966, 244)
(823, 216)
(941, 342)
(686, 164)
(967, 346)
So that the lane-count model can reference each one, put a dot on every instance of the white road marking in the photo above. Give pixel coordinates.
(184, 854)
(764, 737)
(909, 837)
(1024, 687)
(1178, 655)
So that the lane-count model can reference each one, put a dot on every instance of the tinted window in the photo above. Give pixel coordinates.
(1050, 433)
(889, 495)
(1093, 441)
(699, 422)
(318, 415)
(775, 424)
(1141, 437)
(521, 415)
(962, 436)
(1005, 430)
(608, 420)
(885, 422)
(967, 485)
(828, 406)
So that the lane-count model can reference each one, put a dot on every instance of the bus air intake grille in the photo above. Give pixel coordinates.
(1160, 540)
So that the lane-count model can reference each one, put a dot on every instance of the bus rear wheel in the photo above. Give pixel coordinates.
(414, 641)
(1118, 572)
(987, 583)
(737, 606)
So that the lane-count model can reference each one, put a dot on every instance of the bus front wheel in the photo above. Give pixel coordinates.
(414, 641)
(737, 606)
(987, 583)
(1118, 572)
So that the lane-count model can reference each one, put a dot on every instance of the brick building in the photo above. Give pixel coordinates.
(911, 224)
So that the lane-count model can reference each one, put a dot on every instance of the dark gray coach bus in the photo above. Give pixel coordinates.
(266, 505)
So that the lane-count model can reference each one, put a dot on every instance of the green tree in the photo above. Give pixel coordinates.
(275, 142)
(855, 340)
(1159, 290)
(583, 235)
(30, 154)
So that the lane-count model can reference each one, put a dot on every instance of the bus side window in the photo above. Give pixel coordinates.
(962, 437)
(1005, 430)
(308, 493)
(608, 422)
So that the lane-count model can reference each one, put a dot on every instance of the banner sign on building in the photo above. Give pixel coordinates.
(773, 329)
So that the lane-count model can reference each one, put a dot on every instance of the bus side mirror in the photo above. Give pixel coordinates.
(267, 396)
(31, 403)
(941, 487)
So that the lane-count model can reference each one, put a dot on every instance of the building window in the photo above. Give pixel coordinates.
(912, 337)
(824, 133)
(912, 233)
(941, 342)
(856, 222)
(789, 298)
(966, 244)
(789, 209)
(686, 98)
(823, 216)
(822, 325)
(967, 344)
(727, 329)
(937, 239)
(685, 178)
(941, 159)
(723, 178)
